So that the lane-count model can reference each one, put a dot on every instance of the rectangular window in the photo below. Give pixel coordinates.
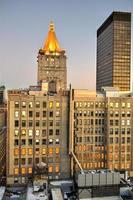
(30, 113)
(16, 123)
(23, 123)
(128, 130)
(57, 141)
(16, 142)
(51, 123)
(51, 132)
(37, 141)
(37, 114)
(57, 132)
(123, 130)
(50, 151)
(57, 169)
(116, 114)
(57, 104)
(128, 105)
(37, 123)
(44, 113)
(23, 170)
(128, 139)
(23, 113)
(111, 105)
(44, 123)
(30, 123)
(30, 151)
(116, 131)
(23, 151)
(43, 132)
(23, 142)
(16, 170)
(16, 104)
(16, 132)
(44, 151)
(50, 169)
(116, 122)
(23, 161)
(57, 150)
(23, 132)
(128, 114)
(44, 141)
(123, 105)
(57, 123)
(128, 122)
(50, 141)
(30, 170)
(30, 142)
(31, 104)
(30, 161)
(50, 104)
(16, 113)
(23, 104)
(116, 104)
(44, 104)
(37, 132)
(16, 152)
(30, 132)
(16, 161)
(36, 160)
(123, 114)
(111, 122)
(37, 151)
(37, 104)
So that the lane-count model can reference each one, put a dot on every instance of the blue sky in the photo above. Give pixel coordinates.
(24, 27)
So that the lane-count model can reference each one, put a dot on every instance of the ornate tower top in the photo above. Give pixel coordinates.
(52, 68)
(51, 44)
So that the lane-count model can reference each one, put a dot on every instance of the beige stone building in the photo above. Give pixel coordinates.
(37, 135)
(101, 129)
(38, 120)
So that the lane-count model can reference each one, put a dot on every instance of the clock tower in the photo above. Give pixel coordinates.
(52, 63)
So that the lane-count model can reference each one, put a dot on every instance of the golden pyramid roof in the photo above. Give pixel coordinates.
(51, 43)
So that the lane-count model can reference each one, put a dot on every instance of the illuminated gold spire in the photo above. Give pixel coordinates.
(51, 43)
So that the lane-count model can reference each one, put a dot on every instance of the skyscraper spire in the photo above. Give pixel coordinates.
(51, 44)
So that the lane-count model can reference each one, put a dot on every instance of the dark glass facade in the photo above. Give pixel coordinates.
(114, 52)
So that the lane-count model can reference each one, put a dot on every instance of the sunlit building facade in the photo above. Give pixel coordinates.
(101, 130)
(114, 52)
(38, 120)
(52, 63)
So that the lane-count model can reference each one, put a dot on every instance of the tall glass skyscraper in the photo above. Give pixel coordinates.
(114, 52)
